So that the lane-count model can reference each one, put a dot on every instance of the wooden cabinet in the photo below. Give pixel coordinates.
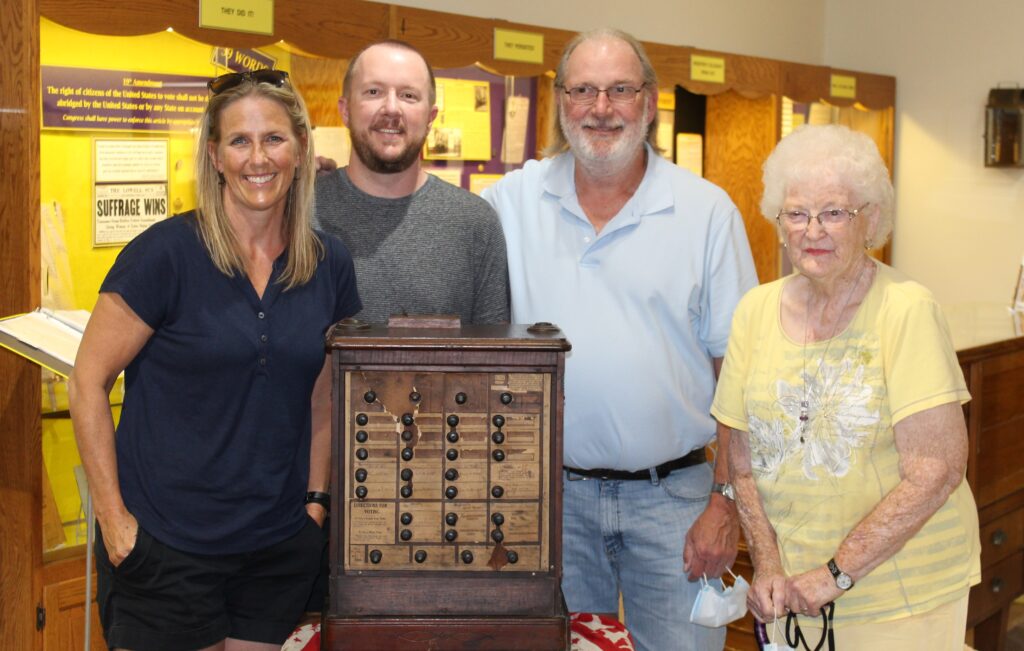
(446, 474)
(64, 607)
(991, 354)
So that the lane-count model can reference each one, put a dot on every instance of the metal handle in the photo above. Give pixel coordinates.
(998, 537)
(997, 585)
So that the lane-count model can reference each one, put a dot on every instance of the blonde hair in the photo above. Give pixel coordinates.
(559, 143)
(305, 249)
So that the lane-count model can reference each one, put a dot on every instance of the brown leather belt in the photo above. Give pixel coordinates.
(692, 459)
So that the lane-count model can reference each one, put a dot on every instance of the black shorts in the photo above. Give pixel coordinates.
(163, 599)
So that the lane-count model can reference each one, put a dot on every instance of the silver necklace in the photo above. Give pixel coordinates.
(804, 402)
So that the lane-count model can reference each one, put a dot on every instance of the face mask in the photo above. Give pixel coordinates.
(716, 607)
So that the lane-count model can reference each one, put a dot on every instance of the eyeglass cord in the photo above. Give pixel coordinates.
(797, 637)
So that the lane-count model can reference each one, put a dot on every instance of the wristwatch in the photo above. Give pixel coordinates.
(725, 490)
(843, 580)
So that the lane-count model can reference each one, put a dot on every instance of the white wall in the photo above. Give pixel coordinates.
(790, 30)
(960, 225)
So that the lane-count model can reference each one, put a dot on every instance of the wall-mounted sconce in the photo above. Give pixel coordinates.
(1004, 127)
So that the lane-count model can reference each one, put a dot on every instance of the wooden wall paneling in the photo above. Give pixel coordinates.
(740, 134)
(972, 413)
(750, 77)
(336, 28)
(753, 77)
(878, 125)
(65, 617)
(319, 82)
(452, 41)
(64, 600)
(21, 460)
(671, 62)
(330, 28)
(339, 28)
(124, 18)
(805, 83)
(1001, 421)
(546, 112)
(873, 91)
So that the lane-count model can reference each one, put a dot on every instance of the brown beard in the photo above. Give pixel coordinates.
(374, 163)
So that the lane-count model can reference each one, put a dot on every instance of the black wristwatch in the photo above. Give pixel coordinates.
(843, 580)
(318, 497)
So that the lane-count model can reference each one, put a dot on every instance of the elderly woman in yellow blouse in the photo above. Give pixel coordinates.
(843, 392)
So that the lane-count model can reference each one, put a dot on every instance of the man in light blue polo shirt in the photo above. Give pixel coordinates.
(641, 264)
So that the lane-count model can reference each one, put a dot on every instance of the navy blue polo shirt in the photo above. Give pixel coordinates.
(213, 441)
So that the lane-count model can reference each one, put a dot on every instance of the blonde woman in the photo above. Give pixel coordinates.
(210, 497)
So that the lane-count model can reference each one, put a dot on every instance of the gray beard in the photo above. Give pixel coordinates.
(374, 163)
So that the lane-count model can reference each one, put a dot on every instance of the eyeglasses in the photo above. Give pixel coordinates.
(795, 636)
(220, 84)
(618, 94)
(831, 218)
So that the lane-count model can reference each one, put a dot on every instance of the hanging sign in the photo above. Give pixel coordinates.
(249, 16)
(512, 45)
(844, 86)
(707, 68)
(242, 60)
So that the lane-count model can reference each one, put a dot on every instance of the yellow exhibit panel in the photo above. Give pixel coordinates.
(462, 128)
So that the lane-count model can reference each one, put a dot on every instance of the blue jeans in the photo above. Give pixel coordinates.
(628, 536)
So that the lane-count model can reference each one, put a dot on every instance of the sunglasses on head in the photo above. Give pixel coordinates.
(266, 76)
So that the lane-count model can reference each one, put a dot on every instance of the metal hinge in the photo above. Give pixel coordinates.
(40, 618)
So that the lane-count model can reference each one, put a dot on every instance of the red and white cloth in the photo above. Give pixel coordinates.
(305, 638)
(591, 632)
(588, 632)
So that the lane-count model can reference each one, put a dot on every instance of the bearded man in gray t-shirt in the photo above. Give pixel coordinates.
(420, 245)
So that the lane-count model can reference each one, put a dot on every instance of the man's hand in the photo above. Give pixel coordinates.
(325, 165)
(711, 541)
(119, 536)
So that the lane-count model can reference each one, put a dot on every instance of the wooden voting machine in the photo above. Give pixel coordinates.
(446, 520)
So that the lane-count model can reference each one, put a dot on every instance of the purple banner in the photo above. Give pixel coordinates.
(86, 98)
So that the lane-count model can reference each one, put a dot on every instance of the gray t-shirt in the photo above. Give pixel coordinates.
(440, 250)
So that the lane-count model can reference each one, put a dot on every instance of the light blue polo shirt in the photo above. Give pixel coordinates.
(646, 304)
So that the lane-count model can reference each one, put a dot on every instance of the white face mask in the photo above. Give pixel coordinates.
(716, 607)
